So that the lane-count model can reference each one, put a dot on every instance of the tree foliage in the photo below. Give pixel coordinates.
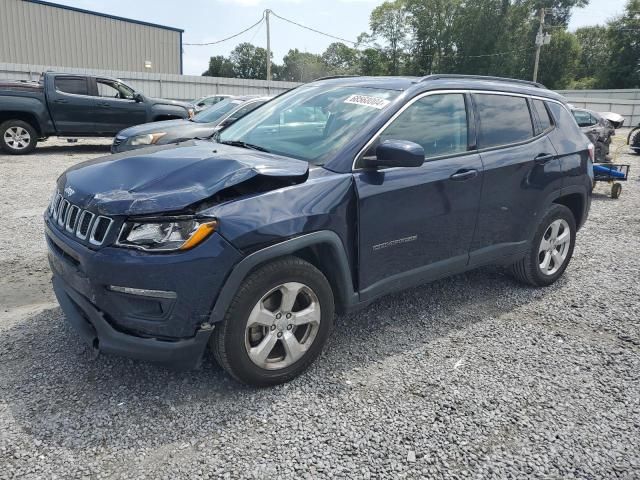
(481, 37)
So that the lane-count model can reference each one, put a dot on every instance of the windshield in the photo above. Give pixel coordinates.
(217, 111)
(311, 122)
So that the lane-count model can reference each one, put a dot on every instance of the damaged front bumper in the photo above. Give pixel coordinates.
(140, 305)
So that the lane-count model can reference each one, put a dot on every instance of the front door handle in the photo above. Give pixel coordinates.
(60, 100)
(103, 104)
(465, 174)
(543, 158)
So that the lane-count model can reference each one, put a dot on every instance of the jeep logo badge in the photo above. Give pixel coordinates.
(69, 191)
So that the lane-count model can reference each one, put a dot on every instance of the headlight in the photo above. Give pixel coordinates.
(148, 139)
(166, 235)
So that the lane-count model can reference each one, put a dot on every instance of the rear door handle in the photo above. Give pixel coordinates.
(60, 100)
(464, 174)
(103, 104)
(543, 158)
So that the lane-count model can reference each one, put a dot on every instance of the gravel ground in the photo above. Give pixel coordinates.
(470, 377)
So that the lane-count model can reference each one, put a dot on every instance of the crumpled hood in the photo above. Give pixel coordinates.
(169, 178)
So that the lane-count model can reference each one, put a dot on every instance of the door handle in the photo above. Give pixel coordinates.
(543, 158)
(103, 104)
(60, 100)
(464, 174)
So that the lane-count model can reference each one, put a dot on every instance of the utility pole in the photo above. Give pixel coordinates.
(267, 12)
(539, 42)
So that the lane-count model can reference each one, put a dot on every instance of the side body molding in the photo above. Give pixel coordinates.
(345, 290)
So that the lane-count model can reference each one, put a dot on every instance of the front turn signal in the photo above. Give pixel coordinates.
(201, 234)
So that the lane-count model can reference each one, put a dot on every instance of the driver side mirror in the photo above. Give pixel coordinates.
(138, 97)
(396, 153)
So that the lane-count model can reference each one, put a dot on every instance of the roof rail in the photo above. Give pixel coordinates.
(439, 76)
(334, 76)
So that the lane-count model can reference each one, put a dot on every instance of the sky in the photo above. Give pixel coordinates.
(211, 20)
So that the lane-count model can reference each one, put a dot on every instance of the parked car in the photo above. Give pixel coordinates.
(205, 102)
(203, 125)
(598, 129)
(73, 105)
(323, 200)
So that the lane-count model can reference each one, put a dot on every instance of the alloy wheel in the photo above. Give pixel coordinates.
(554, 247)
(17, 138)
(282, 326)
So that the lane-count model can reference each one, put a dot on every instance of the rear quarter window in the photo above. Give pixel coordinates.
(544, 120)
(503, 120)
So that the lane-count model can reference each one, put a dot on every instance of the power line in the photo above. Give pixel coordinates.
(228, 38)
(313, 29)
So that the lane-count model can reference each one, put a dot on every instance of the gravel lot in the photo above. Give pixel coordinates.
(470, 377)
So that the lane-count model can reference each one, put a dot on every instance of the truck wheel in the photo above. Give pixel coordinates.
(17, 137)
(551, 249)
(276, 324)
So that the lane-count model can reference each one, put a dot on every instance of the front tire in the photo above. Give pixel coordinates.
(17, 137)
(551, 249)
(276, 324)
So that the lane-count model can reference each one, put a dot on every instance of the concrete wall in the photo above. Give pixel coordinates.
(623, 102)
(177, 87)
(34, 32)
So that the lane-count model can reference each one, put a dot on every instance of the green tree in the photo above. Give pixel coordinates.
(594, 56)
(340, 59)
(623, 69)
(559, 60)
(300, 66)
(219, 66)
(389, 22)
(249, 61)
(373, 62)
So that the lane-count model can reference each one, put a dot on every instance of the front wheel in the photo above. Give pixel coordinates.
(17, 137)
(551, 249)
(276, 324)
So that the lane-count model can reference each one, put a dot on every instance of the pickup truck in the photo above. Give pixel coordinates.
(74, 105)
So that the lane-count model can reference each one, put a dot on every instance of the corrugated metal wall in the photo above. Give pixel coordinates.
(622, 102)
(34, 33)
(177, 87)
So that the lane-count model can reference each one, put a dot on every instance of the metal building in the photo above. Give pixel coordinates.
(44, 33)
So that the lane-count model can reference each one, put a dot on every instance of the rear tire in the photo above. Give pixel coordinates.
(550, 251)
(17, 137)
(616, 190)
(262, 341)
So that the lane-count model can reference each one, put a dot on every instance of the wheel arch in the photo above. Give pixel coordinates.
(574, 201)
(323, 249)
(27, 117)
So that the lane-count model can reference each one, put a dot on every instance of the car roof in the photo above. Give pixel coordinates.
(246, 98)
(445, 81)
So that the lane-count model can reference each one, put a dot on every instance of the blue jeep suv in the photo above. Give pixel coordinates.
(321, 201)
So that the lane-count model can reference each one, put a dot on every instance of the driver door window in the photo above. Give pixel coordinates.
(110, 89)
(438, 123)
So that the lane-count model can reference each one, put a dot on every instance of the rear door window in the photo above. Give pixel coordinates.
(74, 85)
(436, 122)
(503, 120)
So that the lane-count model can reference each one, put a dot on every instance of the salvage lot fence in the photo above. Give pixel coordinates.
(187, 87)
(176, 87)
(623, 102)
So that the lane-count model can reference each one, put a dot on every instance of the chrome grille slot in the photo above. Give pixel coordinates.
(100, 229)
(72, 218)
(84, 223)
(86, 226)
(62, 212)
(54, 205)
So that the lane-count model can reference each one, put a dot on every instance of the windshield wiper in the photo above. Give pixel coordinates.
(241, 144)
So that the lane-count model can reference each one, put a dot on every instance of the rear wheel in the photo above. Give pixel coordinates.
(277, 323)
(616, 190)
(17, 137)
(551, 249)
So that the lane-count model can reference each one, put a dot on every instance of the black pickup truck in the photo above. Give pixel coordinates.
(76, 106)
